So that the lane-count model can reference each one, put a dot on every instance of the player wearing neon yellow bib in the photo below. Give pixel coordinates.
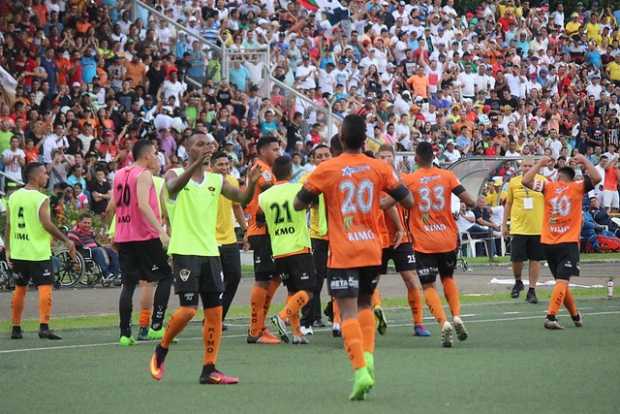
(29, 231)
(291, 247)
(195, 254)
(227, 211)
(311, 313)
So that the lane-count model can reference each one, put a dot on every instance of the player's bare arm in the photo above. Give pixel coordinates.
(144, 183)
(304, 199)
(399, 234)
(46, 221)
(592, 172)
(175, 183)
(464, 196)
(242, 197)
(507, 210)
(529, 177)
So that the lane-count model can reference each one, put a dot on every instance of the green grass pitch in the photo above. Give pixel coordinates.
(510, 364)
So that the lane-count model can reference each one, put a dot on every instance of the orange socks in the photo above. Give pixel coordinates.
(274, 284)
(366, 320)
(291, 310)
(415, 303)
(212, 334)
(45, 303)
(452, 295)
(145, 318)
(352, 337)
(375, 299)
(257, 301)
(557, 297)
(336, 311)
(17, 304)
(180, 319)
(434, 304)
(569, 302)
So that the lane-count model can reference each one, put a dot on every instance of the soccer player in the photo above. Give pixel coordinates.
(311, 312)
(291, 246)
(140, 239)
(266, 278)
(352, 184)
(562, 220)
(524, 207)
(29, 230)
(195, 254)
(400, 251)
(436, 237)
(146, 288)
(230, 254)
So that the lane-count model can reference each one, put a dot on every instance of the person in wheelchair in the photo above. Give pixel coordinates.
(84, 238)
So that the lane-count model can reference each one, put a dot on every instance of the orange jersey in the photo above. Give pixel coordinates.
(431, 221)
(265, 181)
(352, 185)
(562, 217)
(383, 231)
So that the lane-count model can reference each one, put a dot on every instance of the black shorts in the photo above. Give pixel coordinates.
(230, 257)
(320, 250)
(40, 272)
(402, 256)
(143, 260)
(429, 265)
(197, 274)
(264, 266)
(297, 272)
(563, 259)
(526, 247)
(351, 283)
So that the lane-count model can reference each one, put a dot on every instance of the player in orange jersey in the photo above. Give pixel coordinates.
(436, 237)
(266, 278)
(400, 251)
(352, 184)
(562, 219)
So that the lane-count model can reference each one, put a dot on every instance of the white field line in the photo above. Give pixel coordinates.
(397, 325)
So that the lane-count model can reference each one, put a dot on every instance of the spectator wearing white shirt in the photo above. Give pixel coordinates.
(54, 141)
(595, 88)
(467, 83)
(172, 87)
(14, 158)
(451, 154)
(306, 74)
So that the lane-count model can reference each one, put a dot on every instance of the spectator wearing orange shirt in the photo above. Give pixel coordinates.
(419, 83)
(136, 71)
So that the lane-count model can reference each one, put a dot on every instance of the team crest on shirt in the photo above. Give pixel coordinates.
(211, 189)
(348, 222)
(184, 274)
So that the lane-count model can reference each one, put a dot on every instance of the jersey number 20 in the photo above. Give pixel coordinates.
(357, 197)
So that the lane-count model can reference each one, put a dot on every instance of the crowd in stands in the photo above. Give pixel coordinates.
(503, 78)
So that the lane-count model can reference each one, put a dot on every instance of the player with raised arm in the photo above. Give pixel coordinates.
(140, 238)
(291, 246)
(400, 251)
(266, 278)
(195, 254)
(562, 220)
(29, 232)
(352, 184)
(436, 237)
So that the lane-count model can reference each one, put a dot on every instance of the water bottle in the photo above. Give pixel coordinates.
(610, 288)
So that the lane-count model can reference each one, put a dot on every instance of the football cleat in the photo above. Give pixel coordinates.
(16, 332)
(279, 324)
(362, 383)
(300, 340)
(552, 324)
(263, 339)
(578, 320)
(126, 341)
(516, 289)
(459, 327)
(447, 334)
(157, 362)
(420, 330)
(306, 330)
(213, 376)
(336, 333)
(381, 320)
(531, 297)
(48, 334)
(155, 334)
(370, 364)
(143, 334)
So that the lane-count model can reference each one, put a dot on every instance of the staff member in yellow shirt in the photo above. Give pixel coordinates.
(613, 69)
(225, 232)
(524, 207)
